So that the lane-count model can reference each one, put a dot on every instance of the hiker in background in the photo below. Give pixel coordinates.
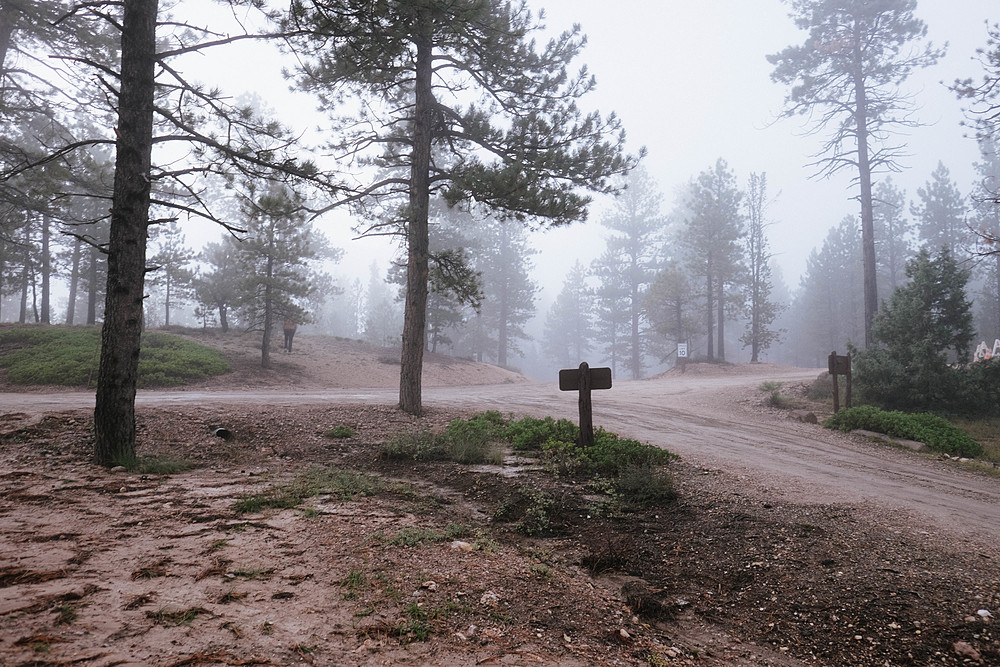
(289, 332)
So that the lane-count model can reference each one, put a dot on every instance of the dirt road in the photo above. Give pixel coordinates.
(715, 422)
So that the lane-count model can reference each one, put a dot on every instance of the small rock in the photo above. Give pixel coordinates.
(459, 545)
(118, 469)
(623, 633)
(965, 650)
(429, 585)
(984, 613)
(804, 416)
(490, 599)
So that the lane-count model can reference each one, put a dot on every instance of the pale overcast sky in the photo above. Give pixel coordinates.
(691, 83)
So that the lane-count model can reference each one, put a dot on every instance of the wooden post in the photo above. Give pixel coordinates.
(832, 364)
(849, 373)
(584, 380)
(586, 410)
(840, 365)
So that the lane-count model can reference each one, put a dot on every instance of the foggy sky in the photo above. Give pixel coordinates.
(691, 83)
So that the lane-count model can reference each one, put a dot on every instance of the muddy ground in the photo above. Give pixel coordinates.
(429, 563)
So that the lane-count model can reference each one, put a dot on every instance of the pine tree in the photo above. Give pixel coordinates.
(169, 264)
(940, 215)
(846, 77)
(926, 324)
(611, 299)
(569, 334)
(637, 223)
(502, 257)
(671, 306)
(828, 310)
(464, 83)
(760, 310)
(382, 323)
(985, 116)
(275, 263)
(218, 287)
(711, 242)
(986, 221)
(893, 230)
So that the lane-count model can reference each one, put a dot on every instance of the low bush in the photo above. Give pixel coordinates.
(468, 442)
(531, 433)
(936, 432)
(70, 356)
(340, 432)
(317, 481)
(645, 485)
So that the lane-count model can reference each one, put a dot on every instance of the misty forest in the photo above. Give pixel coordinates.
(270, 215)
(135, 196)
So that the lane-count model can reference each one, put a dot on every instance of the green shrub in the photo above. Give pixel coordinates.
(469, 441)
(417, 445)
(531, 433)
(529, 508)
(645, 485)
(317, 481)
(70, 356)
(937, 433)
(340, 432)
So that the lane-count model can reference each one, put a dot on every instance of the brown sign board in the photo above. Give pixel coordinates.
(839, 364)
(569, 379)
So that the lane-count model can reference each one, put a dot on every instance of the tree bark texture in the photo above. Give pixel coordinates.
(95, 257)
(721, 305)
(867, 209)
(418, 239)
(114, 414)
(46, 270)
(74, 281)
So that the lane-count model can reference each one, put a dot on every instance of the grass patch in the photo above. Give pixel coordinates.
(177, 617)
(467, 441)
(411, 537)
(66, 614)
(158, 465)
(986, 432)
(354, 582)
(343, 484)
(645, 486)
(340, 432)
(936, 432)
(70, 356)
(775, 398)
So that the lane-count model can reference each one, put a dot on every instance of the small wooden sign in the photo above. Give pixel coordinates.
(583, 380)
(840, 364)
(569, 378)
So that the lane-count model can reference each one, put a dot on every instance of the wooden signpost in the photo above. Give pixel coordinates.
(840, 364)
(585, 379)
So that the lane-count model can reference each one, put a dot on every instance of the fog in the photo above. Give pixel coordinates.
(692, 85)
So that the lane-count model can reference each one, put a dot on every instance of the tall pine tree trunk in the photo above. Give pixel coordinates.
(25, 275)
(95, 256)
(721, 305)
(867, 209)
(114, 414)
(46, 270)
(74, 281)
(265, 344)
(636, 344)
(418, 239)
(710, 314)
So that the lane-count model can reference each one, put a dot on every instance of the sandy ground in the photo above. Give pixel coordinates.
(787, 544)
